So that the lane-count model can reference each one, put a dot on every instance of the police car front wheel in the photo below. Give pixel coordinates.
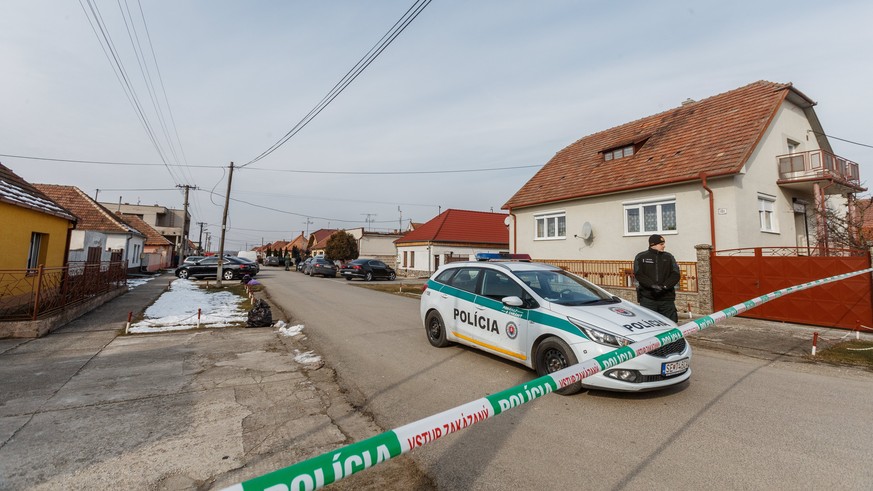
(552, 355)
(436, 329)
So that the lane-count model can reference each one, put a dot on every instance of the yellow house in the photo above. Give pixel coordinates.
(36, 230)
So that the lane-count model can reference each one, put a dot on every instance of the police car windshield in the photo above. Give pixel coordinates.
(563, 288)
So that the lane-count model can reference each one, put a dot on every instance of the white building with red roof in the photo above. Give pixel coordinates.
(450, 236)
(100, 235)
(751, 167)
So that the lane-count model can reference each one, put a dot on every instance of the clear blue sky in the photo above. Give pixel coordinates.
(468, 85)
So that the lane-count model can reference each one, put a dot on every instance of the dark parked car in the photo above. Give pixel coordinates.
(368, 269)
(321, 266)
(303, 264)
(254, 264)
(232, 267)
(272, 261)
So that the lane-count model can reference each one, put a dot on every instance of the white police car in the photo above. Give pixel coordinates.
(547, 319)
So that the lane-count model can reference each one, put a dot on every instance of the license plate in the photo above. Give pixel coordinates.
(674, 367)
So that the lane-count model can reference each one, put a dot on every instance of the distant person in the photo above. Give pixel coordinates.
(657, 275)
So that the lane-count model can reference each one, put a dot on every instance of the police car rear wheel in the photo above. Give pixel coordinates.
(436, 330)
(552, 355)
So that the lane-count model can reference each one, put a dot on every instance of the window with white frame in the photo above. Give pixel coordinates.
(767, 213)
(551, 226)
(650, 217)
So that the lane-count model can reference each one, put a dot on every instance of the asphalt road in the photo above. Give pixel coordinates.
(741, 423)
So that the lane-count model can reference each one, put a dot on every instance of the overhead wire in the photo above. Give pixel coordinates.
(170, 141)
(842, 139)
(291, 171)
(410, 15)
(263, 207)
(121, 74)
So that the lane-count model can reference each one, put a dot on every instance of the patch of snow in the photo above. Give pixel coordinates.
(307, 358)
(279, 324)
(291, 331)
(135, 282)
(176, 309)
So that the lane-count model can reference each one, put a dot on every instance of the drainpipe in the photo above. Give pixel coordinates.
(711, 210)
(514, 232)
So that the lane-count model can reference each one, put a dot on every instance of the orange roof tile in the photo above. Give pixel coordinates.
(716, 135)
(92, 215)
(474, 227)
(153, 237)
(320, 236)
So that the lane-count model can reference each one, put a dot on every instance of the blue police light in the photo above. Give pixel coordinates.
(500, 256)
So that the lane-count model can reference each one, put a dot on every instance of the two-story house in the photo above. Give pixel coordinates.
(751, 167)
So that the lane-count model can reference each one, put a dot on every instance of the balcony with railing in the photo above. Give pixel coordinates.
(801, 169)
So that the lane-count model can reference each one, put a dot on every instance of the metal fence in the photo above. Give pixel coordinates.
(619, 273)
(29, 294)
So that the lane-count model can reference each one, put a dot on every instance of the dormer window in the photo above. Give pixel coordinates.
(617, 153)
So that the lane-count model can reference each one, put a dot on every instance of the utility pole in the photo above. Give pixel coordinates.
(208, 241)
(200, 241)
(308, 223)
(185, 224)
(400, 230)
(369, 220)
(224, 228)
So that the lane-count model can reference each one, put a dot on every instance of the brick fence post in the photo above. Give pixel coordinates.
(704, 277)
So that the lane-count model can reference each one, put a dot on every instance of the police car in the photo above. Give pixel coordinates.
(547, 319)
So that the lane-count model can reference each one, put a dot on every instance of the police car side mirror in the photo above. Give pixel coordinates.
(512, 301)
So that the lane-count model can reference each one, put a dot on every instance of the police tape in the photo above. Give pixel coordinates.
(338, 464)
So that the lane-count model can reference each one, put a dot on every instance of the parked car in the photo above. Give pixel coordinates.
(302, 265)
(254, 263)
(272, 261)
(321, 266)
(192, 259)
(368, 269)
(548, 319)
(232, 267)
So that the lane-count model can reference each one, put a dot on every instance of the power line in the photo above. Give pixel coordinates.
(842, 139)
(121, 75)
(291, 171)
(296, 214)
(350, 76)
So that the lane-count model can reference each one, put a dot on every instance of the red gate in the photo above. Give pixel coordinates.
(741, 274)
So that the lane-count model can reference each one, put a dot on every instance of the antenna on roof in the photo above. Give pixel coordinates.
(688, 101)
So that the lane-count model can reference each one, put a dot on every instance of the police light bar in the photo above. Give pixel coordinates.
(501, 256)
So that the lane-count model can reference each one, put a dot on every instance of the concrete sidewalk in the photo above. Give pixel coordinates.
(770, 339)
(86, 408)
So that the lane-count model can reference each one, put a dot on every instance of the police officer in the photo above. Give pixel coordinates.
(657, 275)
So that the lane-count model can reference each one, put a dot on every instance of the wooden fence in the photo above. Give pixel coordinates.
(619, 273)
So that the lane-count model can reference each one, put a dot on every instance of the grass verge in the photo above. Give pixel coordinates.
(404, 289)
(859, 353)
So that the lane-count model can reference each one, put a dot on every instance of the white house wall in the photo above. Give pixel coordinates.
(606, 216)
(82, 240)
(761, 175)
(424, 255)
(373, 245)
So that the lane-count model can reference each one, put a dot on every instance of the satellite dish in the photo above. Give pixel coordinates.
(587, 231)
(507, 220)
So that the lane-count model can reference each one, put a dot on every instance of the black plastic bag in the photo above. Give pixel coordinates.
(261, 315)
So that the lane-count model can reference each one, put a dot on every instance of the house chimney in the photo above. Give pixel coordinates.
(688, 101)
